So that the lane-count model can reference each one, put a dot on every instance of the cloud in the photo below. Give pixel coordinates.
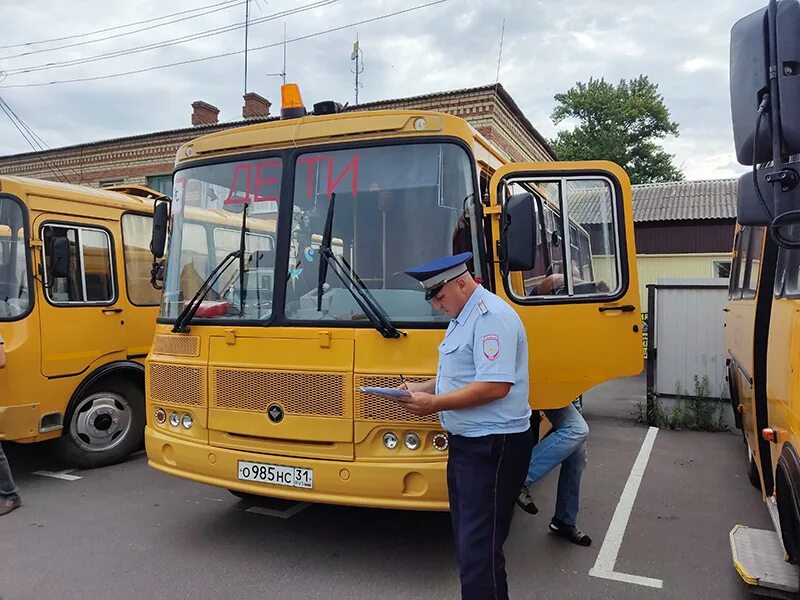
(548, 45)
(699, 63)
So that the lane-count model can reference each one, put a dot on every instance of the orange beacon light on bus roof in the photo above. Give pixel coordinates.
(291, 102)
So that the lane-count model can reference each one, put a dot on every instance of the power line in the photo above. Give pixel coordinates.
(40, 142)
(34, 141)
(232, 53)
(150, 21)
(166, 43)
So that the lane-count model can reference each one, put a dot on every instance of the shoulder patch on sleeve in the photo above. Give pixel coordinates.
(491, 346)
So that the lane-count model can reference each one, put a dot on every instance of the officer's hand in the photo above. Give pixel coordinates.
(411, 386)
(420, 403)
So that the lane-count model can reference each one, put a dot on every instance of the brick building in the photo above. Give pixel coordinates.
(147, 159)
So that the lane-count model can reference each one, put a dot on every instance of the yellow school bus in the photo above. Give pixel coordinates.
(762, 324)
(762, 331)
(254, 380)
(77, 313)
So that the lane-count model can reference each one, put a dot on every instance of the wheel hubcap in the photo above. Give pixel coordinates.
(100, 423)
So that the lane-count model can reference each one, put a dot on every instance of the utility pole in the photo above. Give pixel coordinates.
(357, 55)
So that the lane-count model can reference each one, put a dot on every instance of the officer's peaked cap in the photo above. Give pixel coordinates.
(433, 275)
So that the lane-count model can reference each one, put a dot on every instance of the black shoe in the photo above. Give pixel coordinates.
(570, 532)
(525, 501)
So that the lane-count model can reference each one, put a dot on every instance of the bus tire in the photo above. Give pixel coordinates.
(103, 427)
(787, 492)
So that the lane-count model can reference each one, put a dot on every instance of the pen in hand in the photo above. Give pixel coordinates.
(403, 382)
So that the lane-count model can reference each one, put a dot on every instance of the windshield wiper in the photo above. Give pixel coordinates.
(242, 291)
(187, 314)
(181, 323)
(372, 309)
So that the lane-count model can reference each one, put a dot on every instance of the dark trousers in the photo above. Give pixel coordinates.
(484, 476)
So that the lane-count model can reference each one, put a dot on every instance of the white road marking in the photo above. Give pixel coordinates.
(607, 558)
(281, 514)
(65, 475)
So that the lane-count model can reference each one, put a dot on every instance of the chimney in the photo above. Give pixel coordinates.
(255, 106)
(204, 113)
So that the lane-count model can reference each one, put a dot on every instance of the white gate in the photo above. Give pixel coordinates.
(686, 342)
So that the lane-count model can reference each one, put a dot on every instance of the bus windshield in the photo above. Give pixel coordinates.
(14, 297)
(392, 204)
(207, 211)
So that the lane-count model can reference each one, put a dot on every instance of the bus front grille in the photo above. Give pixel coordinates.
(374, 408)
(299, 393)
(177, 384)
(177, 345)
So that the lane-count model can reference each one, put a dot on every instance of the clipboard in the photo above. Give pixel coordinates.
(393, 393)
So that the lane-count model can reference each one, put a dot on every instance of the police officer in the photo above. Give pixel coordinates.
(481, 394)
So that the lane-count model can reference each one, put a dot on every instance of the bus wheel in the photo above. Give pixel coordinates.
(103, 428)
(752, 470)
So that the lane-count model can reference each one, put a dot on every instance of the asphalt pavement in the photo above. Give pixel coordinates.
(127, 531)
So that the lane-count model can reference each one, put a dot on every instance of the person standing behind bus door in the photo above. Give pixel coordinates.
(9, 499)
(564, 445)
(481, 394)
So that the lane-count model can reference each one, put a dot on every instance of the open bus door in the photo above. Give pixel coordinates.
(578, 298)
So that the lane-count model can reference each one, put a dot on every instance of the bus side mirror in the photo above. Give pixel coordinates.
(749, 81)
(59, 264)
(159, 239)
(518, 227)
(759, 207)
(752, 209)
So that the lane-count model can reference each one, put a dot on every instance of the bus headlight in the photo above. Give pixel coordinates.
(390, 440)
(439, 441)
(161, 416)
(411, 440)
(187, 421)
(174, 419)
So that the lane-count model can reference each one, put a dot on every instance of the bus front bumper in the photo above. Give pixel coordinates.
(397, 485)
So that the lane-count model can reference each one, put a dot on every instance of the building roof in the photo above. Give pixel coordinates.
(199, 130)
(685, 200)
(654, 202)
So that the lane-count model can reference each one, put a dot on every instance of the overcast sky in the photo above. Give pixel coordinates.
(682, 45)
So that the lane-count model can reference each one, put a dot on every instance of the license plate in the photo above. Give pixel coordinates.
(276, 474)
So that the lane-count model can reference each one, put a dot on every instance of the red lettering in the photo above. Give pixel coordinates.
(351, 166)
(311, 161)
(231, 199)
(264, 181)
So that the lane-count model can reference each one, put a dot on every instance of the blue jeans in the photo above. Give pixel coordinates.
(565, 446)
(7, 487)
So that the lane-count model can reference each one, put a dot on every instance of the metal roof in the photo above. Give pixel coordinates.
(685, 200)
(654, 202)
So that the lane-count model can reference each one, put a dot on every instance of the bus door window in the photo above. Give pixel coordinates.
(137, 230)
(581, 225)
(90, 278)
(741, 262)
(753, 270)
(14, 299)
(787, 272)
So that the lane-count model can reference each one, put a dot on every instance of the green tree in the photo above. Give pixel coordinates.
(618, 123)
